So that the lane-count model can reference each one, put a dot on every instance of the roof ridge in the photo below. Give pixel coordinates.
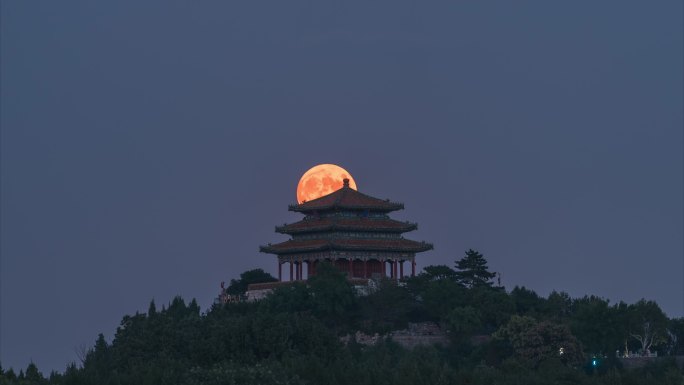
(376, 198)
(347, 197)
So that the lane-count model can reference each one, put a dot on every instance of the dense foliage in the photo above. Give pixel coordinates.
(293, 337)
(239, 286)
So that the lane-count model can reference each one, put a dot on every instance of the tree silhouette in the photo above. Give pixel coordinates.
(473, 271)
(293, 337)
(648, 324)
(239, 286)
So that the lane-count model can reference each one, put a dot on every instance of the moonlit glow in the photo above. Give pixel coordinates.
(321, 180)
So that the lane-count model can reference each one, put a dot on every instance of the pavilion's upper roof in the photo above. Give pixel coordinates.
(313, 224)
(347, 198)
(371, 244)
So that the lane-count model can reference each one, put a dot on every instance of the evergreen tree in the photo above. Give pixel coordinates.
(152, 310)
(33, 376)
(473, 271)
(10, 375)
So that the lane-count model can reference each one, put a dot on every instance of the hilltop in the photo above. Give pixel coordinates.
(310, 332)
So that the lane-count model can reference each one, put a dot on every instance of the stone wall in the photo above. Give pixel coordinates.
(423, 333)
(417, 334)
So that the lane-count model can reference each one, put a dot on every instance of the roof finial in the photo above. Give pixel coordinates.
(346, 182)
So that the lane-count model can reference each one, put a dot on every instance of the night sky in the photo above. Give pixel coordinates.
(149, 148)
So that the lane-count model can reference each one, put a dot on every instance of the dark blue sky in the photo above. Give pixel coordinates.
(149, 148)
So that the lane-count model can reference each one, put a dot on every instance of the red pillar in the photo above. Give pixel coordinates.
(365, 268)
(351, 268)
(291, 266)
(301, 270)
(395, 270)
(401, 269)
(384, 268)
(280, 271)
(413, 268)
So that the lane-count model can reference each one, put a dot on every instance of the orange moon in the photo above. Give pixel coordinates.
(322, 180)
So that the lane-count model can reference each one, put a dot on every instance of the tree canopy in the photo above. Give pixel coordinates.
(239, 286)
(296, 336)
(473, 270)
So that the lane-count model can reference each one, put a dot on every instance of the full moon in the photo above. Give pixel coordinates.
(322, 180)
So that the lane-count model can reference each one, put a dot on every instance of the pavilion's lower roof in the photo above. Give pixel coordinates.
(354, 224)
(309, 245)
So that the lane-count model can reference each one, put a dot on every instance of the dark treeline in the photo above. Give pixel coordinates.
(293, 337)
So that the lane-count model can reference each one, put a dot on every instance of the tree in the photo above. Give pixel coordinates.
(152, 309)
(270, 373)
(387, 308)
(10, 375)
(239, 286)
(514, 329)
(433, 273)
(597, 325)
(534, 342)
(33, 376)
(675, 332)
(558, 306)
(494, 306)
(429, 275)
(97, 360)
(293, 298)
(440, 296)
(648, 324)
(332, 293)
(526, 301)
(463, 322)
(473, 271)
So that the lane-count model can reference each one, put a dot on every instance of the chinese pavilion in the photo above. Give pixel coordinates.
(350, 230)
